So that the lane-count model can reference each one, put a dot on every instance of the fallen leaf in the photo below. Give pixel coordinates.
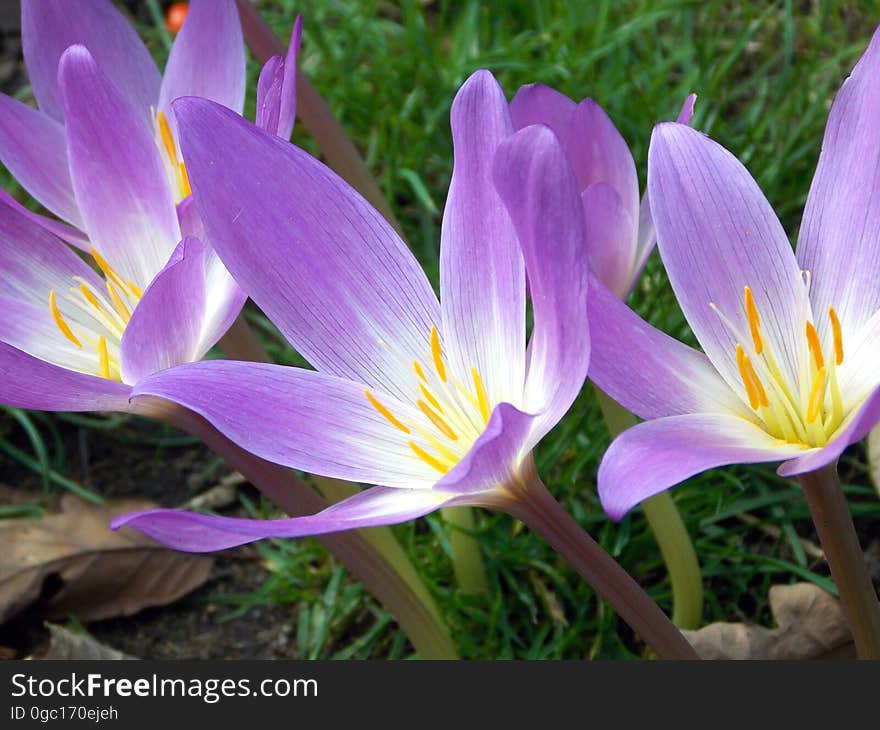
(71, 562)
(65, 644)
(810, 624)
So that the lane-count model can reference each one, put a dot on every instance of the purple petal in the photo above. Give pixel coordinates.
(199, 533)
(34, 262)
(598, 153)
(718, 234)
(323, 265)
(166, 325)
(539, 104)
(610, 236)
(839, 239)
(28, 382)
(862, 420)
(496, 455)
(224, 298)
(34, 149)
(66, 233)
(207, 58)
(287, 113)
(647, 236)
(482, 276)
(276, 89)
(645, 370)
(49, 27)
(299, 418)
(686, 113)
(538, 186)
(29, 327)
(269, 87)
(656, 455)
(120, 182)
(189, 220)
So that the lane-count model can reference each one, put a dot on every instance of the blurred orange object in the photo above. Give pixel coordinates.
(175, 15)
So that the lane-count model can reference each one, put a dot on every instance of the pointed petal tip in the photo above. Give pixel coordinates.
(687, 109)
(666, 136)
(182, 530)
(73, 55)
(481, 81)
(296, 35)
(184, 105)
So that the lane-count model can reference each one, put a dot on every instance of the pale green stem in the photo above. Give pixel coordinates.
(873, 447)
(467, 559)
(670, 532)
(837, 534)
(383, 542)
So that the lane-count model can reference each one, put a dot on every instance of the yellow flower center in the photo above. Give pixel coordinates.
(808, 413)
(110, 312)
(452, 415)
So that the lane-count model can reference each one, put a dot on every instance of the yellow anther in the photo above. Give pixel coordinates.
(430, 397)
(103, 358)
(108, 271)
(89, 297)
(482, 396)
(118, 304)
(185, 189)
(430, 460)
(419, 371)
(754, 388)
(754, 320)
(817, 395)
(59, 320)
(815, 346)
(437, 352)
(441, 425)
(134, 289)
(167, 137)
(385, 412)
(837, 332)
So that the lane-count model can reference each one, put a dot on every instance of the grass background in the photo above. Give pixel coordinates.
(765, 75)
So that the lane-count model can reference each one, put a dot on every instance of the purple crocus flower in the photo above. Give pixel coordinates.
(620, 232)
(791, 341)
(102, 154)
(436, 402)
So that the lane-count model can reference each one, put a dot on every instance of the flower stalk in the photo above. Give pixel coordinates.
(838, 537)
(528, 500)
(383, 542)
(467, 559)
(669, 531)
(419, 619)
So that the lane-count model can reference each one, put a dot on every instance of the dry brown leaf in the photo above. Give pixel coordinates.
(72, 563)
(810, 624)
(65, 644)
